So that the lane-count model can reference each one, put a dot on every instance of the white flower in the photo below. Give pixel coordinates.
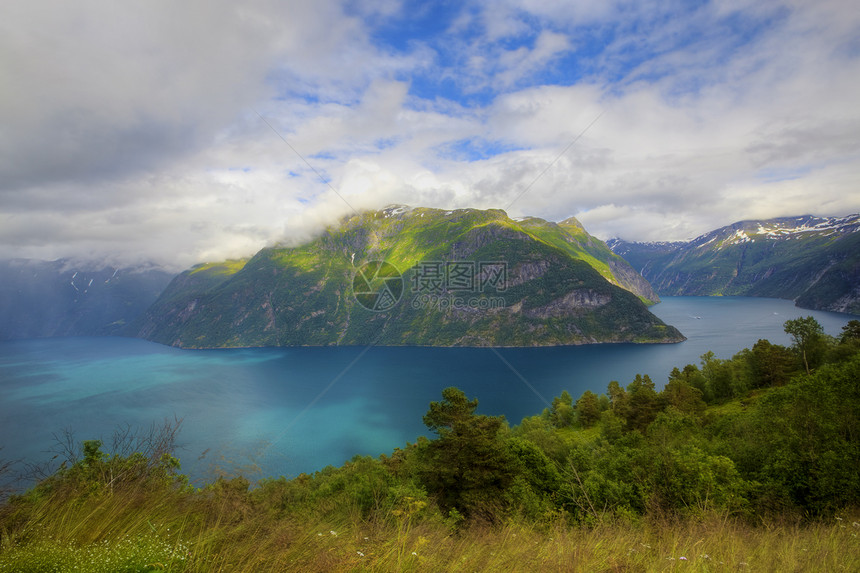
(333, 533)
(360, 554)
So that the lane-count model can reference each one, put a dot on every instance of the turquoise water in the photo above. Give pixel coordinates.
(282, 411)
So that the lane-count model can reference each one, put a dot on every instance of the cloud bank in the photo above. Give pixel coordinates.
(180, 133)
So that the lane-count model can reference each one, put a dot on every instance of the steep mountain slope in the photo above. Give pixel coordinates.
(469, 278)
(570, 236)
(812, 260)
(56, 298)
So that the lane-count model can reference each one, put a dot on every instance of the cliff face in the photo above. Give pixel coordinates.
(811, 260)
(628, 278)
(406, 276)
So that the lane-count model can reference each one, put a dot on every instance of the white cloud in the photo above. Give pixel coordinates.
(131, 129)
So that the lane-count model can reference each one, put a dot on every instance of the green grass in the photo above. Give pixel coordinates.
(144, 553)
(227, 268)
(205, 532)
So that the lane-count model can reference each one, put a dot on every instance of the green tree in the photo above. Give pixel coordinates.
(850, 332)
(807, 334)
(540, 431)
(683, 396)
(771, 364)
(718, 376)
(644, 402)
(694, 377)
(454, 409)
(689, 480)
(588, 409)
(611, 426)
(619, 400)
(536, 482)
(804, 439)
(562, 413)
(469, 467)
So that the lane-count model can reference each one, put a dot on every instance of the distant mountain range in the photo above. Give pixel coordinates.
(404, 276)
(814, 261)
(60, 298)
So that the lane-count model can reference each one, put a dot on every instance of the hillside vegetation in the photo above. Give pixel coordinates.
(520, 283)
(751, 463)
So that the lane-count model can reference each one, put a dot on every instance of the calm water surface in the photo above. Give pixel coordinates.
(292, 410)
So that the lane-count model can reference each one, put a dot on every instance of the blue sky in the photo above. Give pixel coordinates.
(152, 131)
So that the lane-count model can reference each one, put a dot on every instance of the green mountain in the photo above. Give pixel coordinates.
(812, 260)
(404, 276)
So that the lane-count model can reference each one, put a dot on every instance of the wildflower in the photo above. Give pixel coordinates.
(682, 558)
(705, 556)
(415, 554)
(334, 534)
(360, 554)
(319, 534)
(838, 519)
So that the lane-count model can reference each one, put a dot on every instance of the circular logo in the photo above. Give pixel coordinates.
(377, 285)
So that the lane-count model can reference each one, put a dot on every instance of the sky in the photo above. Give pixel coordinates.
(175, 133)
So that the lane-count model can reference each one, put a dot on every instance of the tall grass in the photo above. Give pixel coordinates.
(224, 530)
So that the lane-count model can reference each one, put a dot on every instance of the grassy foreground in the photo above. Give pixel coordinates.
(223, 529)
